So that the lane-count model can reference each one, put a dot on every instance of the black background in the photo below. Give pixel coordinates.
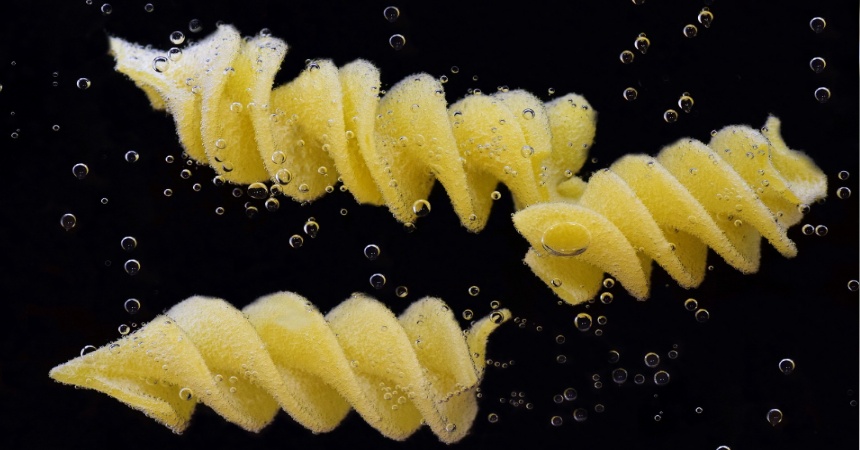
(63, 290)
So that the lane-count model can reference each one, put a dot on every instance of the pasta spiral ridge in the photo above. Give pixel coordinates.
(385, 149)
(280, 351)
(743, 185)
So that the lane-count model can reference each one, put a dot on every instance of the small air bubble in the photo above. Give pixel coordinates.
(706, 17)
(690, 31)
(786, 366)
(421, 208)
(652, 359)
(582, 321)
(702, 315)
(642, 43)
(149, 7)
(817, 64)
(843, 192)
(80, 171)
(160, 64)
(372, 252)
(177, 37)
(853, 285)
(822, 94)
(377, 280)
(124, 329)
(296, 241)
(87, 349)
(685, 102)
(661, 378)
(474, 291)
(195, 26)
(626, 57)
(131, 156)
(821, 230)
(774, 417)
(401, 291)
(391, 13)
(128, 243)
(691, 304)
(397, 41)
(670, 116)
(68, 221)
(311, 228)
(843, 175)
(132, 306)
(817, 24)
(106, 9)
(132, 266)
(630, 94)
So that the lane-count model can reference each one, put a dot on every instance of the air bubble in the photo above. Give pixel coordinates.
(690, 31)
(821, 230)
(149, 7)
(630, 94)
(474, 291)
(468, 314)
(80, 171)
(272, 204)
(705, 17)
(131, 156)
(397, 41)
(258, 191)
(391, 13)
(702, 315)
(495, 195)
(88, 349)
(372, 251)
(168, 192)
(774, 417)
(528, 114)
(160, 64)
(843, 192)
(124, 329)
(195, 26)
(652, 359)
(642, 43)
(556, 421)
(377, 280)
(817, 64)
(296, 241)
(566, 239)
(186, 394)
(169, 159)
(843, 175)
(128, 243)
(580, 414)
(818, 24)
(177, 37)
(661, 378)
(786, 366)
(670, 116)
(132, 267)
(527, 151)
(619, 375)
(421, 208)
(606, 298)
(311, 228)
(106, 9)
(493, 418)
(132, 306)
(691, 304)
(401, 291)
(68, 221)
(822, 94)
(582, 321)
(685, 102)
(626, 57)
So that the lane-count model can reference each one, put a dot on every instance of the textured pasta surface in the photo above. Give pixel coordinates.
(281, 352)
(744, 185)
(332, 123)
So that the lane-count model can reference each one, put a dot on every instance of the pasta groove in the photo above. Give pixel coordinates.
(386, 150)
(744, 185)
(280, 351)
(389, 150)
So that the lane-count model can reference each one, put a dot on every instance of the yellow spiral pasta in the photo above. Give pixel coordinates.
(281, 352)
(389, 150)
(744, 185)
(331, 123)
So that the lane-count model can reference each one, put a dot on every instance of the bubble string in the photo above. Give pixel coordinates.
(744, 185)
(331, 124)
(281, 352)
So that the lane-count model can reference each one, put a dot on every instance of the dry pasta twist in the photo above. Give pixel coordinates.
(744, 185)
(279, 351)
(386, 150)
